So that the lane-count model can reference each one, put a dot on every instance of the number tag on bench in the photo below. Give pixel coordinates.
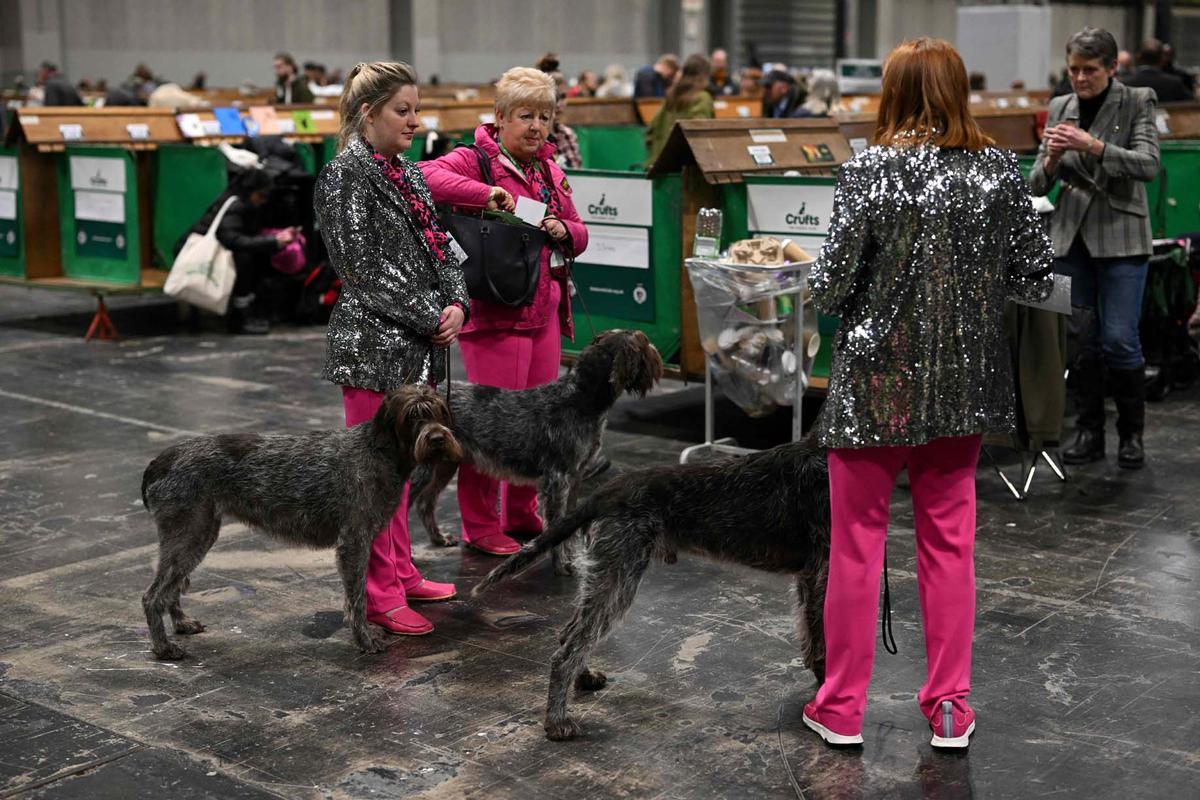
(138, 131)
(71, 133)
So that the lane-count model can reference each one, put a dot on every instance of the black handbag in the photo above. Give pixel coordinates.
(503, 260)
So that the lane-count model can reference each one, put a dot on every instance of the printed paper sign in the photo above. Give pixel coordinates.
(429, 123)
(790, 210)
(613, 201)
(98, 174)
(286, 124)
(100, 206)
(8, 204)
(531, 211)
(761, 154)
(211, 127)
(8, 173)
(745, 111)
(487, 119)
(189, 125)
(858, 144)
(324, 115)
(618, 246)
(138, 131)
(71, 133)
(768, 135)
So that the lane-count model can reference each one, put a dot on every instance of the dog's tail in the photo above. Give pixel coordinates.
(564, 529)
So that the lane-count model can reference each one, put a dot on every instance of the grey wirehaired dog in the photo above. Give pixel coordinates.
(546, 435)
(769, 510)
(321, 489)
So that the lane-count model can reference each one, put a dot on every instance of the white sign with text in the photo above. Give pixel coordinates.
(617, 246)
(790, 209)
(613, 201)
(98, 174)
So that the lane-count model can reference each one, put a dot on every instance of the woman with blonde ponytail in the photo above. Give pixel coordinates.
(403, 297)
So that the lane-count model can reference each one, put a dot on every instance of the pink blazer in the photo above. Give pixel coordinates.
(455, 178)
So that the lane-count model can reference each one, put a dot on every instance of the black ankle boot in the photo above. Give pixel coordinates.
(1087, 447)
(1129, 392)
(243, 318)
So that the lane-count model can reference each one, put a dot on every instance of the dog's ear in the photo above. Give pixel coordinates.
(637, 365)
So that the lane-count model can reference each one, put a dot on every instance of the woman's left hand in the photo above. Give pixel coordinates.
(448, 328)
(555, 228)
(1069, 137)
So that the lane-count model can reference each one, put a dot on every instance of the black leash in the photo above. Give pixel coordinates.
(885, 623)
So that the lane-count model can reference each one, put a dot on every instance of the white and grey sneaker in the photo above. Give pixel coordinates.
(952, 725)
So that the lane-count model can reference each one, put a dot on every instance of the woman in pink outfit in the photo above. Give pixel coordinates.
(513, 348)
(932, 231)
(403, 297)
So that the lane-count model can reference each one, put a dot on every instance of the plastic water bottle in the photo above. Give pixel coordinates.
(708, 233)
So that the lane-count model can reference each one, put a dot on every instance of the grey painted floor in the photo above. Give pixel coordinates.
(1087, 661)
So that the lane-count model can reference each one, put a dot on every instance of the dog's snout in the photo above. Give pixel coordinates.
(436, 442)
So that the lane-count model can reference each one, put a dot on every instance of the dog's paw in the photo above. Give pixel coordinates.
(561, 730)
(170, 652)
(371, 643)
(591, 680)
(443, 540)
(187, 627)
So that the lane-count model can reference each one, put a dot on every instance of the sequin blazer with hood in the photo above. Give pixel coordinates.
(393, 286)
(925, 247)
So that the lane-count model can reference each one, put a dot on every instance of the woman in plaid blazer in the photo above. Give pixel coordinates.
(1101, 144)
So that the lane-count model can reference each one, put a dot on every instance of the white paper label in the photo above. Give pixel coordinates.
(324, 115)
(8, 173)
(211, 127)
(858, 144)
(745, 111)
(613, 201)
(189, 125)
(71, 133)
(30, 119)
(789, 209)
(531, 210)
(617, 246)
(1161, 121)
(287, 125)
(138, 131)
(761, 154)
(100, 206)
(429, 123)
(768, 135)
(457, 249)
(98, 174)
(8, 204)
(487, 119)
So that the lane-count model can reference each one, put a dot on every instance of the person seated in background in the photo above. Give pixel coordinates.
(722, 81)
(653, 80)
(1149, 73)
(56, 89)
(688, 98)
(824, 96)
(561, 135)
(199, 82)
(1187, 78)
(614, 84)
(977, 82)
(586, 84)
(750, 82)
(132, 92)
(290, 87)
(1124, 64)
(314, 73)
(781, 96)
(240, 232)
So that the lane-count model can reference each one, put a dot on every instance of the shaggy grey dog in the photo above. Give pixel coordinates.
(321, 489)
(769, 510)
(546, 435)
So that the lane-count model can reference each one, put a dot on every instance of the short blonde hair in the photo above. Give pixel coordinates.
(525, 87)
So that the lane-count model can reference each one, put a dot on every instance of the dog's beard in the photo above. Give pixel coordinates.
(435, 442)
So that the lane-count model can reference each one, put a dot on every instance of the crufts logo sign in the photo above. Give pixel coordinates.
(802, 219)
(602, 209)
(98, 180)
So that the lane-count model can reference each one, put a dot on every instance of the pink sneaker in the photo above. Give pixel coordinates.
(812, 719)
(428, 591)
(403, 621)
(952, 724)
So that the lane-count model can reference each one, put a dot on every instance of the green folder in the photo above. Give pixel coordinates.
(304, 122)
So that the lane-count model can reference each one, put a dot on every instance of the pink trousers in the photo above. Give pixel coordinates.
(390, 570)
(508, 360)
(942, 476)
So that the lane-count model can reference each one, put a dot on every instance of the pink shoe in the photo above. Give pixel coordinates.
(427, 591)
(494, 544)
(812, 719)
(403, 621)
(952, 723)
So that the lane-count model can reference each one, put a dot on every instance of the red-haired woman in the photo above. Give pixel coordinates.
(932, 231)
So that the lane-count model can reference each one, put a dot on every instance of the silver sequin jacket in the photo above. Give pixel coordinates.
(925, 246)
(393, 288)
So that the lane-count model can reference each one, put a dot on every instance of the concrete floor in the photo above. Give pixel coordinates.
(1087, 660)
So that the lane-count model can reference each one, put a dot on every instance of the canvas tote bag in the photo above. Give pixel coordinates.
(203, 272)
